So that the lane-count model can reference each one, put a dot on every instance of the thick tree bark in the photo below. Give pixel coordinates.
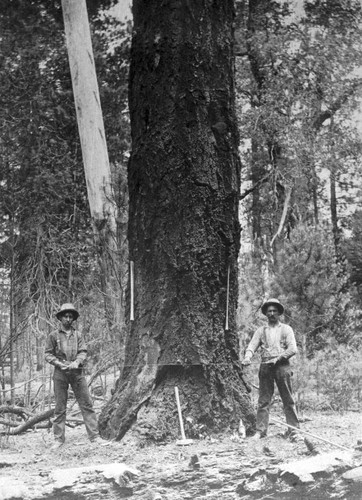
(183, 228)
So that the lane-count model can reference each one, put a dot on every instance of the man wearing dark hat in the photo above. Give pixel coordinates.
(67, 351)
(277, 343)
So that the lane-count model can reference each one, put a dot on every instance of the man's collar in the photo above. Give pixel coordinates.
(69, 332)
(274, 326)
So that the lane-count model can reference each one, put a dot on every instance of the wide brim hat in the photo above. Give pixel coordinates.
(68, 307)
(272, 302)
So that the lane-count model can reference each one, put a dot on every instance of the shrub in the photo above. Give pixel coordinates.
(332, 379)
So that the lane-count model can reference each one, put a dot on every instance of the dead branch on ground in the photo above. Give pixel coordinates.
(34, 421)
(15, 410)
(31, 422)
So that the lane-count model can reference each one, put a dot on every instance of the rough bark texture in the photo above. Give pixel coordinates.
(183, 228)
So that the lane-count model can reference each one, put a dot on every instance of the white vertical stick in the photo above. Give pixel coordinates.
(227, 300)
(131, 278)
(180, 414)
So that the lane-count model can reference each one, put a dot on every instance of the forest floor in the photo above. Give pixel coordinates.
(218, 467)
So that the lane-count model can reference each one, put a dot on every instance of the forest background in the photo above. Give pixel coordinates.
(298, 90)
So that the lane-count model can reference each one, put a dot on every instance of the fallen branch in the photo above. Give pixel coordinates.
(8, 423)
(68, 423)
(29, 423)
(15, 410)
(44, 425)
(36, 421)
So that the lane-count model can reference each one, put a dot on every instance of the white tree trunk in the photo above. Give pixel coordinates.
(89, 112)
(95, 155)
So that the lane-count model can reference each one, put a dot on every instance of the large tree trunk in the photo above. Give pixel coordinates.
(183, 228)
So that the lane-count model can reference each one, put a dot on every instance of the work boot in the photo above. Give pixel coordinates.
(56, 445)
(258, 435)
(293, 436)
(98, 441)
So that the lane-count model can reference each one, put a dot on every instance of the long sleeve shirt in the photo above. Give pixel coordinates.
(65, 347)
(274, 342)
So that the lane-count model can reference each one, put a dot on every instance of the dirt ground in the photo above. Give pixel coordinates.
(214, 468)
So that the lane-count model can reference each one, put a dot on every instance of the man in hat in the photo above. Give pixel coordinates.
(67, 351)
(277, 343)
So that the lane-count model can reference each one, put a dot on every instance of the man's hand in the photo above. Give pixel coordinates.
(279, 358)
(74, 365)
(62, 366)
(246, 361)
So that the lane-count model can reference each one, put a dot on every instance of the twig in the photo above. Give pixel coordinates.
(21, 385)
(101, 370)
(255, 186)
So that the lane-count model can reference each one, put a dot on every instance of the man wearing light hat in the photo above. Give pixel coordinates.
(67, 351)
(277, 343)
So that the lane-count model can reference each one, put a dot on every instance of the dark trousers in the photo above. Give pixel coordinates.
(78, 383)
(281, 374)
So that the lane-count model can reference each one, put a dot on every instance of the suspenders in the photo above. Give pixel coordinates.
(283, 336)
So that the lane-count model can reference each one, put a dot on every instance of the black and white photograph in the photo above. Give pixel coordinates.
(180, 249)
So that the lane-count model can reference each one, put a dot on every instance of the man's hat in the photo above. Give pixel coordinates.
(272, 302)
(67, 308)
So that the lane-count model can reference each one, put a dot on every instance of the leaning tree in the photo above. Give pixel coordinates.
(184, 233)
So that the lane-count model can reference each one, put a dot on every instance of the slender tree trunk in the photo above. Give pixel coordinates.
(95, 158)
(39, 343)
(255, 17)
(257, 36)
(12, 319)
(183, 224)
(2, 370)
(314, 183)
(333, 201)
(333, 207)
